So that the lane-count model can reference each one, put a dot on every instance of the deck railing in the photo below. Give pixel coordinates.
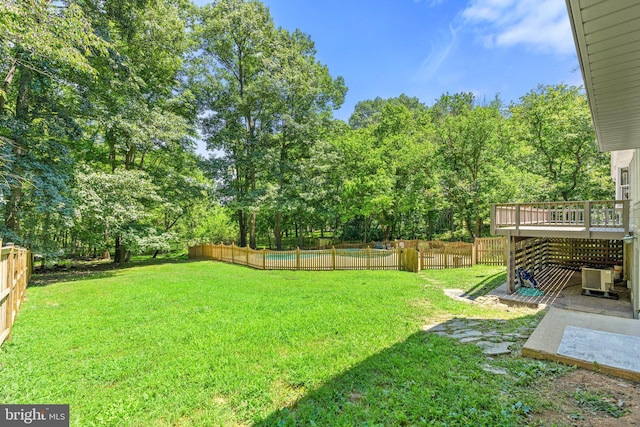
(603, 214)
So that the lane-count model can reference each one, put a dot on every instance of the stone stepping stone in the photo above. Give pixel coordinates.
(494, 348)
(466, 333)
(469, 339)
(457, 324)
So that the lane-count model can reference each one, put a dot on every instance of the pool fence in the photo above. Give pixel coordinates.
(405, 255)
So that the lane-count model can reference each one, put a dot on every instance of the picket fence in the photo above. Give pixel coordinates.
(402, 255)
(15, 272)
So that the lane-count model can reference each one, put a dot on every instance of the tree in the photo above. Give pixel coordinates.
(469, 144)
(265, 98)
(110, 204)
(230, 79)
(555, 122)
(306, 97)
(42, 44)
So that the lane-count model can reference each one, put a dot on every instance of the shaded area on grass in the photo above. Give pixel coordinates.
(77, 270)
(486, 285)
(427, 380)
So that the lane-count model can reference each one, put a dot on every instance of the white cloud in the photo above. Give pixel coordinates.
(437, 56)
(541, 25)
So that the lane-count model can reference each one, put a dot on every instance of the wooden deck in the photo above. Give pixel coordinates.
(608, 219)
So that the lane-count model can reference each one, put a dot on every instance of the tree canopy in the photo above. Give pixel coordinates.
(102, 104)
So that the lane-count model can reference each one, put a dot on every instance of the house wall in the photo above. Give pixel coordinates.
(633, 270)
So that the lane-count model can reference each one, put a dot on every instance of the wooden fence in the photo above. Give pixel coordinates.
(490, 250)
(441, 255)
(327, 259)
(15, 272)
(408, 256)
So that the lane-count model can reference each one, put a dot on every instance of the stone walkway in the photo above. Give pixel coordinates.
(490, 335)
(494, 336)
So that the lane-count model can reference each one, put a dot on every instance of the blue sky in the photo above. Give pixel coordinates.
(425, 48)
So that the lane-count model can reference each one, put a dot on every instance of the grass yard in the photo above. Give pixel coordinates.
(204, 343)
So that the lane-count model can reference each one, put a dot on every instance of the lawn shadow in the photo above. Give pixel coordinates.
(94, 269)
(71, 275)
(486, 285)
(426, 379)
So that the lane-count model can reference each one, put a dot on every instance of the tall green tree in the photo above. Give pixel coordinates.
(555, 122)
(44, 46)
(234, 87)
(266, 99)
(469, 146)
(307, 94)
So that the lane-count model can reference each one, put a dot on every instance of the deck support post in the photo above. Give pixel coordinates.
(511, 264)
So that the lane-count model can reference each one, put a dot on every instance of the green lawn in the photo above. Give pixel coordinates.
(204, 343)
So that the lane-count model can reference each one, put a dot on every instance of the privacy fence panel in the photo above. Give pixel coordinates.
(15, 272)
(490, 250)
(441, 255)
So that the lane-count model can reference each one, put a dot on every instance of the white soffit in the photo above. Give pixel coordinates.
(607, 37)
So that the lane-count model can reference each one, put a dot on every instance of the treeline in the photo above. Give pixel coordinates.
(102, 103)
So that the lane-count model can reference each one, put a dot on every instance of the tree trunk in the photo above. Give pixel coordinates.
(6, 83)
(242, 225)
(430, 225)
(277, 231)
(252, 231)
(118, 253)
(364, 221)
(301, 237)
(13, 206)
(469, 224)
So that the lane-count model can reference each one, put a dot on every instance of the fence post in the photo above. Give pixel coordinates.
(247, 249)
(474, 253)
(445, 251)
(11, 297)
(232, 256)
(297, 258)
(368, 258)
(333, 257)
(264, 258)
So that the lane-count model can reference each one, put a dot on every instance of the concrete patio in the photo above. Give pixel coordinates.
(591, 341)
(590, 332)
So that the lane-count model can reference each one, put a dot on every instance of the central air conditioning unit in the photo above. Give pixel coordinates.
(594, 279)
